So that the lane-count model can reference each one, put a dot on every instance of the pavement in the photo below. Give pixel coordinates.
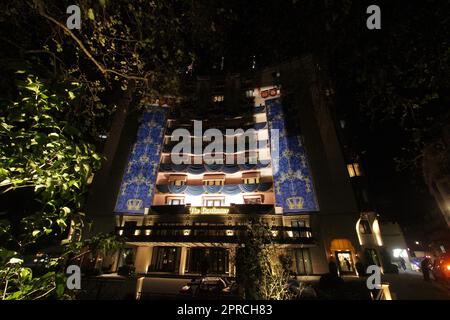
(163, 286)
(411, 286)
(403, 286)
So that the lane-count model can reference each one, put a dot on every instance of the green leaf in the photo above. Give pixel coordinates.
(71, 95)
(26, 273)
(53, 135)
(60, 289)
(91, 14)
(61, 223)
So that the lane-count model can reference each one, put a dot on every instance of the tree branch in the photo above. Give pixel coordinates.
(103, 69)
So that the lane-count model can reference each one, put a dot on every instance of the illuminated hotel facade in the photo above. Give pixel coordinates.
(174, 216)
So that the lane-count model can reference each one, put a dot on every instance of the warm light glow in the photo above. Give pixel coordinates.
(228, 200)
(208, 210)
(354, 170)
(358, 232)
(448, 267)
(357, 170)
(350, 170)
(400, 253)
(377, 232)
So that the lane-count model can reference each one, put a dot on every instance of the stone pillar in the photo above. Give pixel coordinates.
(182, 260)
(231, 260)
(143, 258)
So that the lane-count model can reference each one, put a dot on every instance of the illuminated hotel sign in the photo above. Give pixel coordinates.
(208, 210)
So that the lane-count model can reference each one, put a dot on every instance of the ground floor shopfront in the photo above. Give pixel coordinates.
(211, 260)
(198, 244)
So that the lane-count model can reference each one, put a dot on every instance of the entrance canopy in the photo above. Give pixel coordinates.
(341, 245)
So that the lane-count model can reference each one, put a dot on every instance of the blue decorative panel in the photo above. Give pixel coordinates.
(294, 190)
(139, 179)
(230, 189)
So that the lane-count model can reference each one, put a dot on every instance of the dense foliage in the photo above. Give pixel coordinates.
(55, 115)
(259, 269)
(45, 169)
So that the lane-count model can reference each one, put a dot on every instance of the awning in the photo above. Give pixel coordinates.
(341, 245)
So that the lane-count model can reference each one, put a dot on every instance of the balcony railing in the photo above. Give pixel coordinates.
(211, 234)
(233, 209)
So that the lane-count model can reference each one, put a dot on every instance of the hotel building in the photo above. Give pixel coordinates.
(174, 216)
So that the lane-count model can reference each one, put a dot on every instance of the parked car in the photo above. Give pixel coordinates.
(441, 268)
(209, 288)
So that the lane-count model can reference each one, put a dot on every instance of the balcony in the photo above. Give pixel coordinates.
(233, 209)
(218, 234)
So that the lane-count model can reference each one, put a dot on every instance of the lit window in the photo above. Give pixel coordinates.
(252, 180)
(250, 177)
(249, 93)
(175, 201)
(213, 202)
(357, 170)
(298, 223)
(298, 226)
(253, 200)
(216, 182)
(218, 98)
(354, 170)
(178, 180)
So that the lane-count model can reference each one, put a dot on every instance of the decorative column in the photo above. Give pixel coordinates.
(183, 260)
(231, 260)
(143, 258)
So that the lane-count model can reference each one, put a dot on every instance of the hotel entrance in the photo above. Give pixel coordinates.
(345, 262)
(207, 260)
(344, 254)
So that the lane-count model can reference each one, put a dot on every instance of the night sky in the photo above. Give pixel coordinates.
(275, 31)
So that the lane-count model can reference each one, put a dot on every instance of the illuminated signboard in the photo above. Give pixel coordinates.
(208, 210)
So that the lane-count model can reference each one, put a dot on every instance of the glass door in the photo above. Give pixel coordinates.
(303, 259)
(345, 262)
(166, 259)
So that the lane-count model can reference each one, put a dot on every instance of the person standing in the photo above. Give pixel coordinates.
(402, 263)
(425, 266)
(348, 265)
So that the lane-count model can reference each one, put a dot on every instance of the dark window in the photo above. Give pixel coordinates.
(129, 228)
(303, 259)
(364, 227)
